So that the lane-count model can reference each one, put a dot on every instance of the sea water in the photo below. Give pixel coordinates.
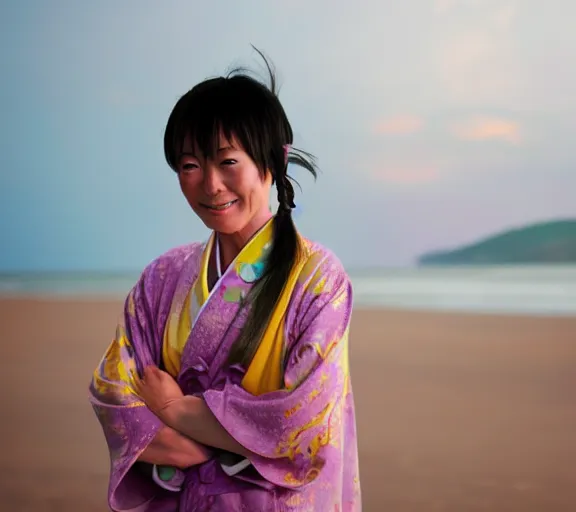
(546, 290)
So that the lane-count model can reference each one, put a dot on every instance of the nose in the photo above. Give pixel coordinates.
(212, 181)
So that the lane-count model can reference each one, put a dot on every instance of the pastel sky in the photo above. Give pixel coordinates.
(435, 121)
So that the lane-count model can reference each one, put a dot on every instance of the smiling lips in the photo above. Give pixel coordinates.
(220, 207)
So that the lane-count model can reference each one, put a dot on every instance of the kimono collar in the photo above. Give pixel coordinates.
(250, 262)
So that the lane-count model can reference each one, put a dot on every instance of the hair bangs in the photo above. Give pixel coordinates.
(239, 109)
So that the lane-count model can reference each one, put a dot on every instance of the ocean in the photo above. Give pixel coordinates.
(532, 290)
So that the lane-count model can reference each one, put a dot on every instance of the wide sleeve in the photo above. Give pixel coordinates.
(296, 435)
(128, 425)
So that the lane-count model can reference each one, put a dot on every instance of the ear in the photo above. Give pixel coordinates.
(267, 179)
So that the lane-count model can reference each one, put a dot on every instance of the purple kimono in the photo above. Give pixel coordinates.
(302, 436)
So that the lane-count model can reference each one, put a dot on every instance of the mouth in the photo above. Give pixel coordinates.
(220, 207)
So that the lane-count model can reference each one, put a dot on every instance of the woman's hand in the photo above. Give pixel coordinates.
(188, 415)
(170, 448)
(159, 391)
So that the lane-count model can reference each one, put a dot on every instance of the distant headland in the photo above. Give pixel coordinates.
(541, 243)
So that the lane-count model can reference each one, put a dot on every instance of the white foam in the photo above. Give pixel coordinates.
(536, 290)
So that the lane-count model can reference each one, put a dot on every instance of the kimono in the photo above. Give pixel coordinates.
(292, 407)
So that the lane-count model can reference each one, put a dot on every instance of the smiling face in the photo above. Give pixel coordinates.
(228, 192)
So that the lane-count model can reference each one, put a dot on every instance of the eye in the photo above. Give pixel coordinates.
(229, 162)
(188, 166)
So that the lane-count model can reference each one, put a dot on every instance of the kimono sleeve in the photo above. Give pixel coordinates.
(128, 425)
(296, 435)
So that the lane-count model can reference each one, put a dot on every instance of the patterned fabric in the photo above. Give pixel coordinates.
(292, 407)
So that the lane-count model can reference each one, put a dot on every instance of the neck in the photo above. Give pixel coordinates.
(231, 244)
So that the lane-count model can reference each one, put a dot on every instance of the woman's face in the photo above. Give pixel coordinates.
(229, 193)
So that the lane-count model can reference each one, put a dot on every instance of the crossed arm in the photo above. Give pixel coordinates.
(175, 448)
(188, 422)
(171, 448)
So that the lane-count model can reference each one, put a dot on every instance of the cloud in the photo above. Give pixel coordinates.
(476, 57)
(441, 6)
(486, 128)
(400, 125)
(468, 49)
(407, 175)
(504, 16)
(478, 66)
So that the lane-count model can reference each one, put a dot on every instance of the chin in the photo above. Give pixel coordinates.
(222, 225)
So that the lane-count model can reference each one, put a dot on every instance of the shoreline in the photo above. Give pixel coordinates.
(95, 299)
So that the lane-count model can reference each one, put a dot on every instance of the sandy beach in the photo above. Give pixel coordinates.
(455, 412)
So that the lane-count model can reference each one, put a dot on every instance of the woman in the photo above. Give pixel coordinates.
(227, 385)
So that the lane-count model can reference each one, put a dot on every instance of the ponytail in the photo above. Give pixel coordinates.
(265, 293)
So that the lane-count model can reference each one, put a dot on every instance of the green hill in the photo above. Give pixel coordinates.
(546, 242)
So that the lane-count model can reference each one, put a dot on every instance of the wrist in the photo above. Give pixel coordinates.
(171, 412)
(181, 411)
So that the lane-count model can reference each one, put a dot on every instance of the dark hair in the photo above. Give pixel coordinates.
(240, 106)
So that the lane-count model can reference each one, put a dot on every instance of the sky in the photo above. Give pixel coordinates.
(435, 122)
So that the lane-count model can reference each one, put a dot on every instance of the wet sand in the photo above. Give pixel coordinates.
(455, 412)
